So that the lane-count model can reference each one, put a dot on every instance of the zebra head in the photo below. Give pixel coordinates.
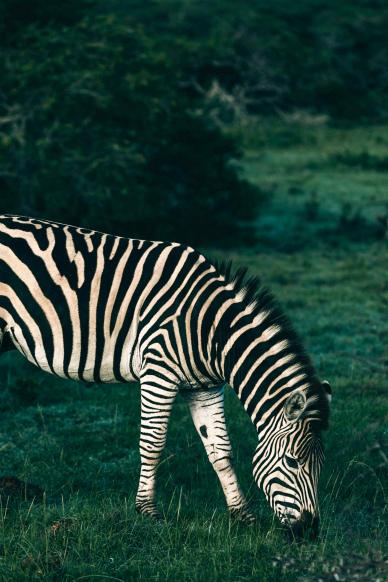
(289, 457)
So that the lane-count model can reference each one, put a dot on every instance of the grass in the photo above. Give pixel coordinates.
(333, 185)
(78, 444)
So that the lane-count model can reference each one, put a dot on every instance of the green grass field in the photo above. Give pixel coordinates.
(322, 252)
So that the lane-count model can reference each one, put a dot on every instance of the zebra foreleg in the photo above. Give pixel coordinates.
(207, 411)
(156, 404)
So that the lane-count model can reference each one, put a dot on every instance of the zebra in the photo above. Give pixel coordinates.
(94, 307)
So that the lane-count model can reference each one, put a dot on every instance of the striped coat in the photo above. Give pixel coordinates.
(99, 308)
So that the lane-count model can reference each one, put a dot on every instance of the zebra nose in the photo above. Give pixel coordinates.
(306, 526)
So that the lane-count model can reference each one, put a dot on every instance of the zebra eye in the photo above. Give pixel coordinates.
(291, 462)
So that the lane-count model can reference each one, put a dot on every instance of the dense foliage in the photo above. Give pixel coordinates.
(264, 57)
(112, 112)
(96, 129)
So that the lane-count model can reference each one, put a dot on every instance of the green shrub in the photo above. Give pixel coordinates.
(96, 129)
(363, 160)
(322, 57)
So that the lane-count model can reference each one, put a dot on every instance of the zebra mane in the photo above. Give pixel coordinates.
(259, 299)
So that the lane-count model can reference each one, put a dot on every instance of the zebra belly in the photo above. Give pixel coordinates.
(104, 372)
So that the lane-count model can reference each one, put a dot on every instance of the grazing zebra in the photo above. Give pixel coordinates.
(99, 308)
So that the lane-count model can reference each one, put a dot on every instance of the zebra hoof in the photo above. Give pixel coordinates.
(243, 515)
(148, 509)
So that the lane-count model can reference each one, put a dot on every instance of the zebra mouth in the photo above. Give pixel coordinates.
(289, 517)
(302, 528)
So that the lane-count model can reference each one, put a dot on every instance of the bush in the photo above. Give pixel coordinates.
(96, 129)
(362, 160)
(324, 57)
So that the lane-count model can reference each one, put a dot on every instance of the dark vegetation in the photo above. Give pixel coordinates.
(96, 123)
(113, 111)
(260, 126)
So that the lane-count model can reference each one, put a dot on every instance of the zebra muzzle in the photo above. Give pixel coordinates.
(307, 527)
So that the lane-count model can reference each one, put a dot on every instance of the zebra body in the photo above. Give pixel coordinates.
(85, 286)
(100, 308)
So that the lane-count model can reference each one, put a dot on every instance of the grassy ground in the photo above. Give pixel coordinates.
(321, 252)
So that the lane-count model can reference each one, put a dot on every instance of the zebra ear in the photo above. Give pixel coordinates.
(295, 405)
(328, 391)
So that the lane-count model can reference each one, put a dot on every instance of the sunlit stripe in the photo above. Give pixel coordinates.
(272, 351)
(25, 274)
(107, 363)
(89, 371)
(75, 257)
(147, 290)
(256, 321)
(115, 247)
(39, 355)
(16, 333)
(278, 364)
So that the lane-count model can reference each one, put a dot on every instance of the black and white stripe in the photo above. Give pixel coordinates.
(99, 308)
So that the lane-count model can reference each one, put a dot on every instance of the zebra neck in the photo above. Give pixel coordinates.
(263, 363)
